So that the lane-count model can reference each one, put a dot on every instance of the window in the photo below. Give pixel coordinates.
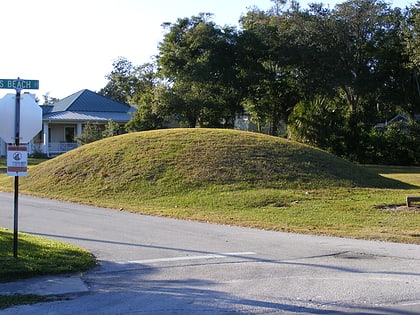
(69, 133)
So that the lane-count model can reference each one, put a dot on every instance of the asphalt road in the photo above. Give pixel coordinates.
(151, 265)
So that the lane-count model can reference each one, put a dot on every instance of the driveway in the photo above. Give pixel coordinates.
(152, 265)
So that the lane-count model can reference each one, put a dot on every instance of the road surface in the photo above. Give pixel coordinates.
(152, 265)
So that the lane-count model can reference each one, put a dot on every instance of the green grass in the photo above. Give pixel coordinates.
(39, 256)
(233, 177)
(21, 299)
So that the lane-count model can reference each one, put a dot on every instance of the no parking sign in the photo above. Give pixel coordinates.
(17, 160)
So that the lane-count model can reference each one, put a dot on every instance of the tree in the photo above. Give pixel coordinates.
(91, 132)
(140, 87)
(198, 60)
(411, 38)
(365, 25)
(153, 109)
(413, 34)
(122, 81)
(268, 68)
(352, 53)
(314, 50)
(319, 122)
(49, 100)
(112, 128)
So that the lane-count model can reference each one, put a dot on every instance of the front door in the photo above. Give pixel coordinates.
(69, 134)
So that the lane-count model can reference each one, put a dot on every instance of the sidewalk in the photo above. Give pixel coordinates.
(45, 286)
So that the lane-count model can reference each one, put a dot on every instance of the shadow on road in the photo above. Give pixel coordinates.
(138, 286)
(294, 261)
(119, 285)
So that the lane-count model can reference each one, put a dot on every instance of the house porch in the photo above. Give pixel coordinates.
(58, 138)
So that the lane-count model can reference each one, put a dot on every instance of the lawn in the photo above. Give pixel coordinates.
(235, 178)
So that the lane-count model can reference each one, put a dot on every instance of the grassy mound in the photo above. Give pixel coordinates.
(229, 177)
(170, 161)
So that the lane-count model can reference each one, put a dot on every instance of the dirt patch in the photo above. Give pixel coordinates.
(399, 208)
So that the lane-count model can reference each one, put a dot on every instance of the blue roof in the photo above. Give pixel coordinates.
(86, 105)
(88, 101)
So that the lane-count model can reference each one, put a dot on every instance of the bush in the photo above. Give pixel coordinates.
(398, 144)
(91, 132)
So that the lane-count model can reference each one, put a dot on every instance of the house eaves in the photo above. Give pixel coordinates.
(70, 116)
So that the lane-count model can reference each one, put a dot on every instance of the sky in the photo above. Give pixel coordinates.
(70, 45)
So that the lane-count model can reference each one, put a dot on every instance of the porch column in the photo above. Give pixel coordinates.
(79, 129)
(46, 136)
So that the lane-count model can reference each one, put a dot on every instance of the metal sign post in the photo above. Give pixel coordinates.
(19, 157)
(16, 197)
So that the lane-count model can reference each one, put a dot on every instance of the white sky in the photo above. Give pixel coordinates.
(69, 45)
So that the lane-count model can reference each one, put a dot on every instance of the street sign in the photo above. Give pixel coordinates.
(26, 116)
(17, 160)
(19, 84)
(30, 118)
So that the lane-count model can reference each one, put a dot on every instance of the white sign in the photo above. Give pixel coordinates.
(30, 118)
(17, 160)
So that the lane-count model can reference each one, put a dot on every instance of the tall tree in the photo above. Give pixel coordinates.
(365, 27)
(153, 109)
(49, 100)
(411, 38)
(197, 57)
(413, 34)
(268, 68)
(313, 35)
(121, 81)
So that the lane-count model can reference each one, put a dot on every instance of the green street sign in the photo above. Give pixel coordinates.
(19, 84)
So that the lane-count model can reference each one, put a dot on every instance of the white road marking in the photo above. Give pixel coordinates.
(169, 259)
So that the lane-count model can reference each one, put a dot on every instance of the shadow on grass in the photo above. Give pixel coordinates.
(389, 183)
(393, 169)
(35, 259)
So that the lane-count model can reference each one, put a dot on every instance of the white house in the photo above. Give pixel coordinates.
(63, 121)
